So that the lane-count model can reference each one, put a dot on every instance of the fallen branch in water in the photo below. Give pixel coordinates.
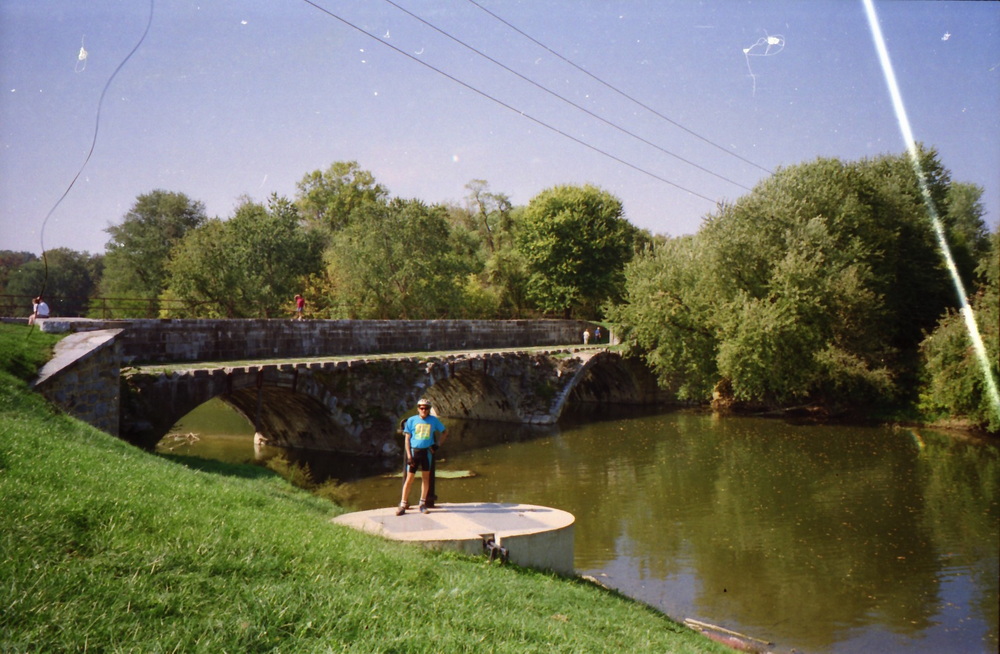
(691, 622)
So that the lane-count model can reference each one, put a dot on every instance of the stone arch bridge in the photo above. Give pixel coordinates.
(354, 405)
(340, 385)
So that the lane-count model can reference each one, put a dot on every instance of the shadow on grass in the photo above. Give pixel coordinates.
(241, 470)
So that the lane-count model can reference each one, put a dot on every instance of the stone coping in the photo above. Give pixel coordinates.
(73, 348)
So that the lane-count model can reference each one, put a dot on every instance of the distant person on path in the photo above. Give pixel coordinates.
(423, 434)
(586, 336)
(300, 305)
(597, 335)
(38, 310)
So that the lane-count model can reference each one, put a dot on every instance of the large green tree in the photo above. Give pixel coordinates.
(136, 256)
(395, 260)
(576, 243)
(815, 287)
(247, 267)
(326, 198)
(66, 278)
(668, 311)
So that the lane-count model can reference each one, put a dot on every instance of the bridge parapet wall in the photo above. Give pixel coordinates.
(169, 341)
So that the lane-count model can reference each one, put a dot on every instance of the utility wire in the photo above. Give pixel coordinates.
(93, 144)
(509, 107)
(567, 101)
(620, 92)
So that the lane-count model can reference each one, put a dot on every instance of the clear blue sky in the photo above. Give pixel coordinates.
(233, 97)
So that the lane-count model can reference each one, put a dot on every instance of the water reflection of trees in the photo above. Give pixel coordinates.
(819, 529)
(813, 534)
(962, 516)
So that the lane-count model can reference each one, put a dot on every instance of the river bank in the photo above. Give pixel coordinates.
(110, 548)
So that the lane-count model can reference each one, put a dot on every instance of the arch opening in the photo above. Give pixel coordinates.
(474, 396)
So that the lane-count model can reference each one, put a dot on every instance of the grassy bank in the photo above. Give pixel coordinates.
(104, 547)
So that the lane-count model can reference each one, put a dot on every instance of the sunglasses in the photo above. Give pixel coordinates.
(423, 406)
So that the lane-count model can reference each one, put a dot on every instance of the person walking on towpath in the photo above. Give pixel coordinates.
(300, 305)
(423, 434)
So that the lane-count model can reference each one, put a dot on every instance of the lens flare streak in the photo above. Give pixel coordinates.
(911, 146)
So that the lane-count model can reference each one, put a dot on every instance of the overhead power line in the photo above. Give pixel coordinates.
(564, 99)
(508, 106)
(620, 92)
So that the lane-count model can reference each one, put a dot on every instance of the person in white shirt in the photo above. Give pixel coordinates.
(39, 310)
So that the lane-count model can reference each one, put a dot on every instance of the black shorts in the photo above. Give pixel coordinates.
(422, 458)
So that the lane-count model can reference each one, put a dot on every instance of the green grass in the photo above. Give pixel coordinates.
(107, 548)
(23, 350)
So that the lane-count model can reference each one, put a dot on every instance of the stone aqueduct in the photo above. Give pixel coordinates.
(352, 404)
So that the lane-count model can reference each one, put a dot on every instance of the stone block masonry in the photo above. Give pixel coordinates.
(82, 378)
(175, 341)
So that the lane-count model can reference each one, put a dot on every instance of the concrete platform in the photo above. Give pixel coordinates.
(534, 536)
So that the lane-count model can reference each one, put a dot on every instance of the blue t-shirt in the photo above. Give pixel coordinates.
(423, 431)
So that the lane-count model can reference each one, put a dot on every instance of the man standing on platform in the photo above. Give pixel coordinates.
(423, 434)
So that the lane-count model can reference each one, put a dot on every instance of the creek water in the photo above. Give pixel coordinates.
(816, 538)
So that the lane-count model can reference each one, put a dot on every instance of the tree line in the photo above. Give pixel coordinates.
(822, 288)
(356, 252)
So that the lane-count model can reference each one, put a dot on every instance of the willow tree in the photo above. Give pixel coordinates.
(816, 287)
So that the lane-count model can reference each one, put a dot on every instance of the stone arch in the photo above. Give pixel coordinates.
(354, 406)
(290, 419)
(609, 378)
(471, 395)
(298, 415)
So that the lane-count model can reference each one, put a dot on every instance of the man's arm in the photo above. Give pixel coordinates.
(406, 447)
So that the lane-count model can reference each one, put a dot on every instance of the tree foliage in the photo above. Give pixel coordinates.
(483, 232)
(576, 243)
(11, 261)
(66, 278)
(968, 237)
(815, 287)
(394, 260)
(326, 199)
(954, 383)
(136, 256)
(667, 310)
(247, 267)
(490, 215)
